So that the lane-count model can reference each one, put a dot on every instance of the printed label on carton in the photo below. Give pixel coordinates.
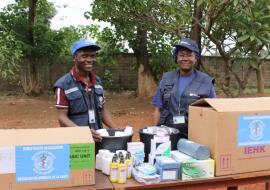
(42, 163)
(253, 130)
(7, 160)
(82, 156)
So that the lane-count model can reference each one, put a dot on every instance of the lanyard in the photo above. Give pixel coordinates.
(179, 110)
(88, 97)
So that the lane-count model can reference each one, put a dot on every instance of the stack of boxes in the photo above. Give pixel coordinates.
(182, 166)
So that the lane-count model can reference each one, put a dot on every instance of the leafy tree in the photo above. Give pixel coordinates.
(257, 36)
(29, 23)
(151, 47)
(10, 53)
(234, 28)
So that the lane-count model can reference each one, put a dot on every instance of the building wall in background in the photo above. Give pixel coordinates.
(121, 76)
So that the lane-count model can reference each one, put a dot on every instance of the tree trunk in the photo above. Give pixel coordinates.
(196, 29)
(30, 82)
(227, 78)
(146, 82)
(244, 82)
(31, 20)
(260, 80)
(29, 76)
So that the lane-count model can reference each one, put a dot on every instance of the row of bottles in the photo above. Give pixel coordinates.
(120, 169)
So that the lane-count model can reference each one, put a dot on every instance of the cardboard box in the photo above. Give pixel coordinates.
(46, 158)
(237, 131)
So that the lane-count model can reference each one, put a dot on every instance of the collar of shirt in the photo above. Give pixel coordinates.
(80, 78)
(192, 74)
(184, 81)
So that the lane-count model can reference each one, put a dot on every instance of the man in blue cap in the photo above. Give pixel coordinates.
(79, 93)
(179, 88)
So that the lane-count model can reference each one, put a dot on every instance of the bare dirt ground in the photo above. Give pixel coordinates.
(39, 112)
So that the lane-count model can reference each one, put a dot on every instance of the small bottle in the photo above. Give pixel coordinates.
(117, 158)
(122, 171)
(114, 169)
(99, 158)
(120, 155)
(128, 162)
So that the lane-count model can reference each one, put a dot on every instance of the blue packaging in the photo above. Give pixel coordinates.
(138, 158)
(195, 150)
(167, 168)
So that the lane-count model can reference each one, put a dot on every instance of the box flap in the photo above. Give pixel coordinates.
(60, 135)
(235, 104)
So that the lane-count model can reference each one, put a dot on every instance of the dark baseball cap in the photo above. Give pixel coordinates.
(82, 43)
(188, 44)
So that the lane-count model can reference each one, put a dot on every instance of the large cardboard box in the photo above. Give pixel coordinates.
(46, 158)
(237, 131)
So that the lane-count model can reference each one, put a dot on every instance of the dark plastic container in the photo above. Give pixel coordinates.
(146, 139)
(113, 143)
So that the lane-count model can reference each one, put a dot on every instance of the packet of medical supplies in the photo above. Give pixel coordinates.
(145, 173)
(194, 169)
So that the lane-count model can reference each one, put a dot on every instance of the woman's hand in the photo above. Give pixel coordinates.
(96, 136)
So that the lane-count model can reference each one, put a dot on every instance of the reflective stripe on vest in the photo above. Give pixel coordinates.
(80, 101)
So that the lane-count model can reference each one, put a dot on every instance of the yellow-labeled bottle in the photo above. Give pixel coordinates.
(122, 171)
(128, 162)
(114, 169)
(120, 155)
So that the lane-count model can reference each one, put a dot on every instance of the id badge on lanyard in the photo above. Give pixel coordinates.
(91, 115)
(179, 118)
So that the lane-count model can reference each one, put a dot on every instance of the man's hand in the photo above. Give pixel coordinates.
(96, 136)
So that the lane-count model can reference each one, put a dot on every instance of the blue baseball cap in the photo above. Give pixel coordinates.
(84, 43)
(188, 44)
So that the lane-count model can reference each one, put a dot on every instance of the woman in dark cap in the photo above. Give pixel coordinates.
(180, 88)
